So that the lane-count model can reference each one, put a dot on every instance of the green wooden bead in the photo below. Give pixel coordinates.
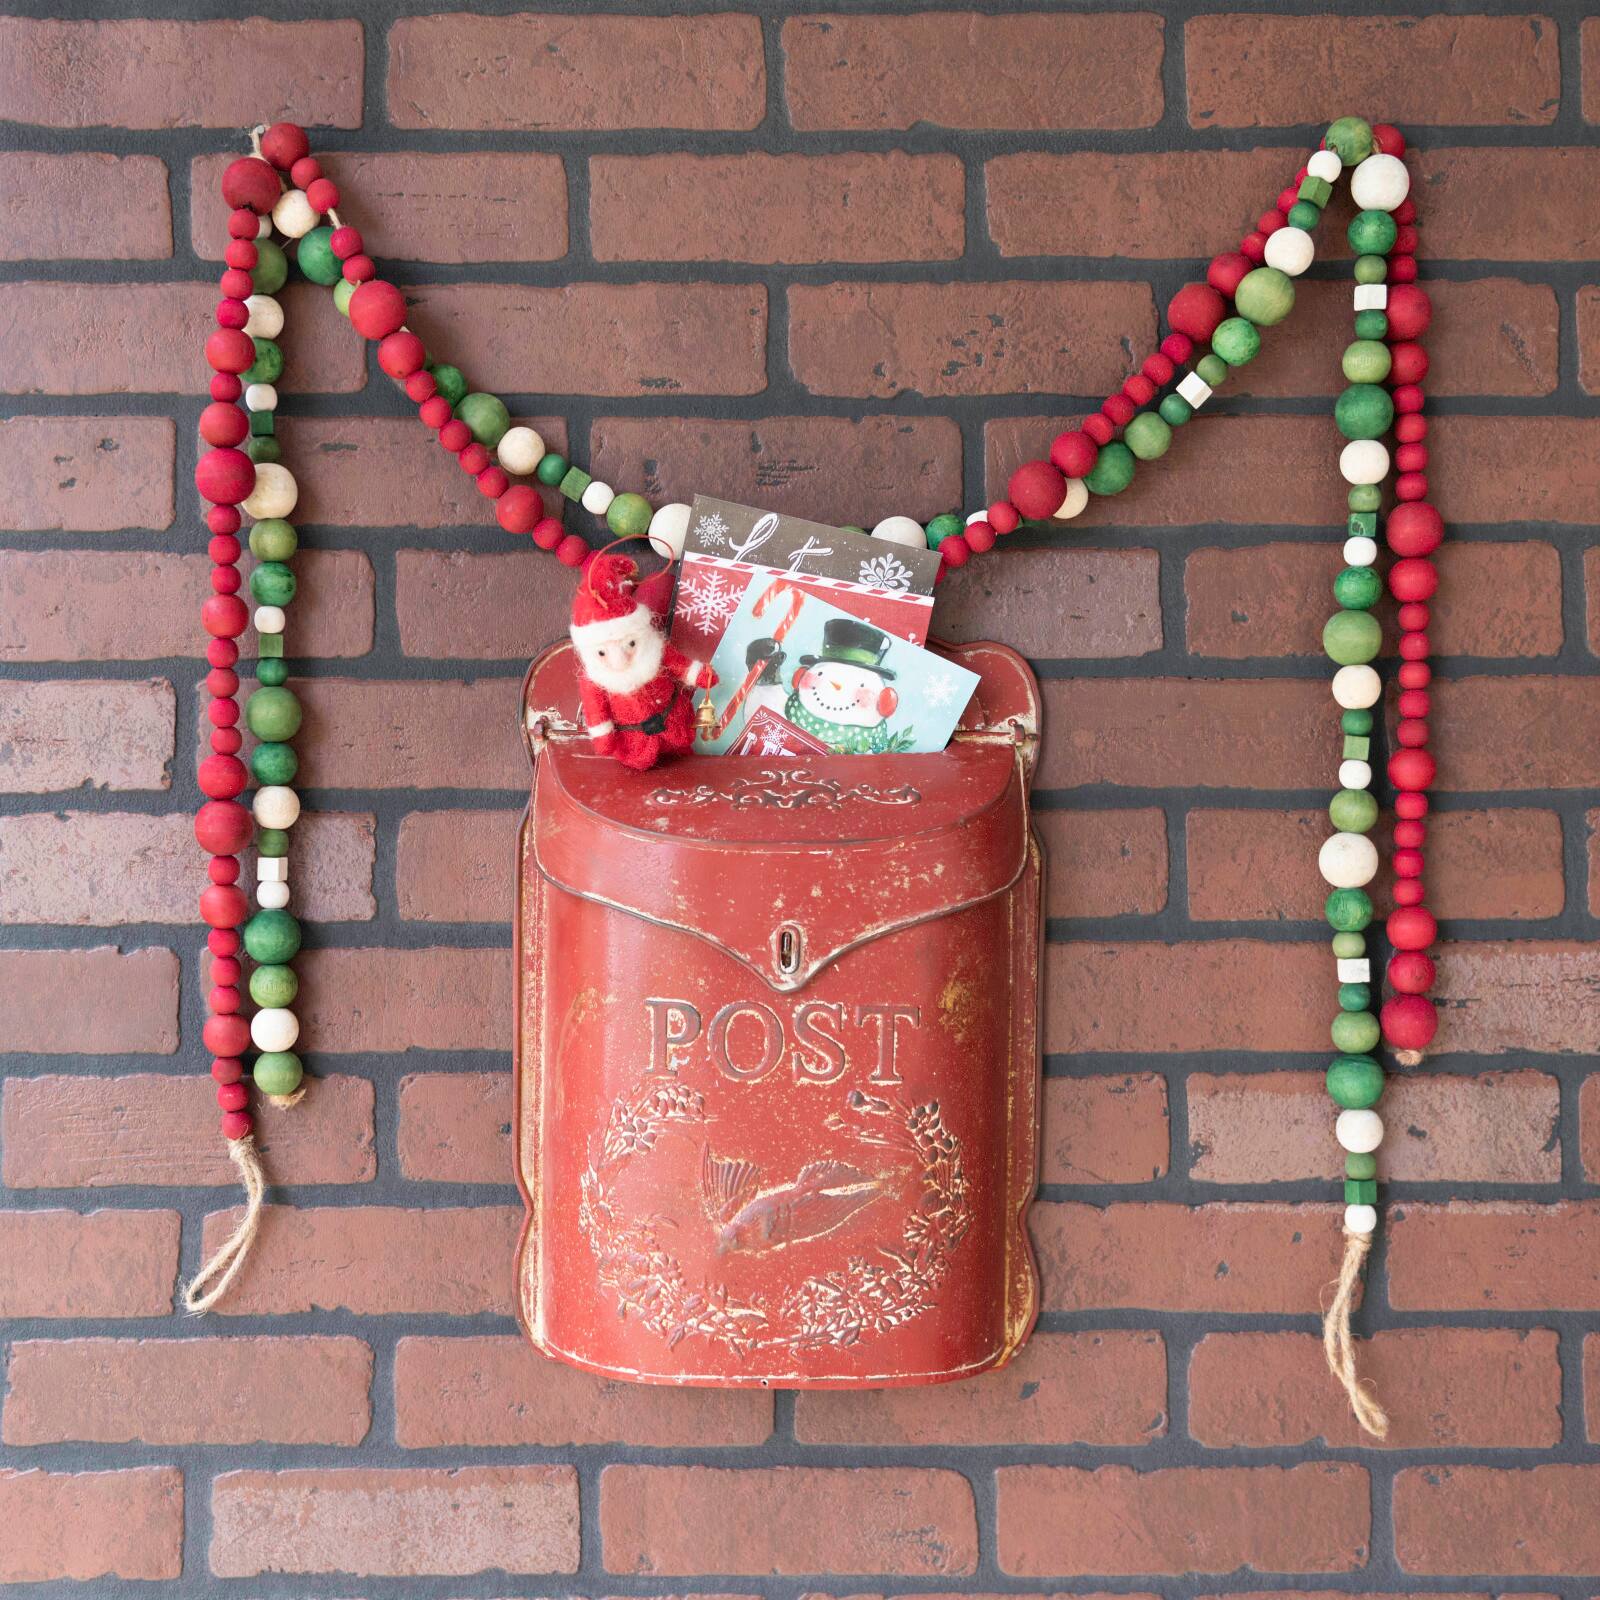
(1360, 1192)
(1371, 269)
(1112, 471)
(1354, 1031)
(273, 539)
(1371, 233)
(263, 449)
(269, 644)
(452, 384)
(1371, 324)
(1304, 214)
(273, 714)
(271, 670)
(274, 763)
(1355, 1082)
(272, 937)
(574, 482)
(1147, 435)
(1356, 722)
(1353, 810)
(1361, 1164)
(1175, 410)
(1357, 588)
(1212, 370)
(1348, 946)
(316, 258)
(271, 270)
(850, 527)
(272, 842)
(1350, 139)
(551, 470)
(268, 364)
(1317, 191)
(628, 514)
(1352, 637)
(342, 291)
(1364, 411)
(1361, 524)
(272, 584)
(486, 415)
(263, 424)
(1348, 910)
(1366, 361)
(277, 1072)
(274, 986)
(1355, 996)
(1265, 296)
(942, 527)
(1364, 497)
(1357, 747)
(1237, 341)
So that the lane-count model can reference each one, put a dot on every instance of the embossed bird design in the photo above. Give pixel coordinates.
(822, 1196)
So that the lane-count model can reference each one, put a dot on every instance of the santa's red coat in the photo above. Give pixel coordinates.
(664, 693)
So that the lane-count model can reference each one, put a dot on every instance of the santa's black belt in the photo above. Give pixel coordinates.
(655, 724)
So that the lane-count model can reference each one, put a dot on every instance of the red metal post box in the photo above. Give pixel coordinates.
(777, 1053)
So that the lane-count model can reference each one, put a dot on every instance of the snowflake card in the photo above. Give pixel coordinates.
(730, 546)
(789, 658)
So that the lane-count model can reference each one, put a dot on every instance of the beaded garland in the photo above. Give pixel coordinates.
(1245, 291)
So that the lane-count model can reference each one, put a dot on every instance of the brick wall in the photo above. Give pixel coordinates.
(850, 263)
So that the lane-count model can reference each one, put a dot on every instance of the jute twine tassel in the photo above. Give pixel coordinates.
(1338, 1345)
(212, 1281)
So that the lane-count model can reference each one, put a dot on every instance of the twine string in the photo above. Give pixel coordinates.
(215, 1277)
(1338, 1345)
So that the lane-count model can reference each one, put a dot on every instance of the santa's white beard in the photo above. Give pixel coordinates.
(645, 666)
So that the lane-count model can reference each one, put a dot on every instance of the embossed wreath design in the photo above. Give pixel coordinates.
(864, 1298)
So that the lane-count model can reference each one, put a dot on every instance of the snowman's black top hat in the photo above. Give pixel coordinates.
(852, 644)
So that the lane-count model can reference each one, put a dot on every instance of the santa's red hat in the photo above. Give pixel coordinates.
(607, 605)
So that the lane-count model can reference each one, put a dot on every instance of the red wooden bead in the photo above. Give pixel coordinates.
(1411, 428)
(224, 969)
(1411, 928)
(1414, 617)
(401, 354)
(1408, 863)
(547, 531)
(1411, 973)
(345, 242)
(1101, 430)
(455, 435)
(1409, 311)
(1408, 362)
(1159, 370)
(1415, 675)
(1411, 458)
(421, 386)
(237, 1125)
(323, 193)
(377, 308)
(285, 143)
(1195, 310)
(222, 869)
(1074, 453)
(1004, 517)
(223, 905)
(226, 741)
(1412, 769)
(243, 224)
(223, 941)
(1254, 246)
(1414, 529)
(1287, 198)
(1411, 805)
(227, 1069)
(221, 653)
(231, 311)
(1414, 703)
(1119, 410)
(1269, 222)
(980, 536)
(226, 386)
(573, 551)
(1413, 578)
(305, 171)
(222, 777)
(1410, 835)
(1177, 347)
(1389, 138)
(1412, 733)
(225, 580)
(435, 411)
(223, 1000)
(1409, 1021)
(223, 425)
(1036, 489)
(230, 350)
(1415, 646)
(1407, 398)
(225, 616)
(223, 548)
(232, 1096)
(473, 459)
(226, 1036)
(1226, 270)
(1408, 892)
(1405, 240)
(1139, 390)
(1405, 212)
(222, 713)
(251, 184)
(1402, 269)
(492, 482)
(519, 509)
(955, 550)
(1410, 486)
(360, 269)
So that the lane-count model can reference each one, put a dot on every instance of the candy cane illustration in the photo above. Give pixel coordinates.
(731, 710)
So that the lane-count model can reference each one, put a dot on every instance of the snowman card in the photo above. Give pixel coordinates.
(797, 674)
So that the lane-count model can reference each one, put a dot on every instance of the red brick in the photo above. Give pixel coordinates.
(1589, 52)
(485, 205)
(86, 1525)
(881, 340)
(401, 1523)
(1589, 1127)
(1500, 998)
(1588, 304)
(1234, 1259)
(87, 474)
(1487, 204)
(581, 73)
(1538, 1520)
(373, 1260)
(1264, 71)
(1109, 1129)
(600, 338)
(455, 604)
(84, 206)
(107, 735)
(101, 868)
(1261, 865)
(1104, 1388)
(1549, 467)
(878, 73)
(154, 1128)
(90, 1002)
(455, 1127)
(188, 1391)
(1103, 863)
(497, 1391)
(1495, 1256)
(681, 1521)
(149, 338)
(143, 73)
(860, 206)
(456, 866)
(1140, 996)
(1272, 600)
(831, 469)
(369, 733)
(1114, 1520)
(1591, 1386)
(391, 1000)
(122, 1263)
(1591, 584)
(1444, 1388)
(1471, 717)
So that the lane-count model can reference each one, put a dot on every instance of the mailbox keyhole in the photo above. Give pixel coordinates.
(788, 949)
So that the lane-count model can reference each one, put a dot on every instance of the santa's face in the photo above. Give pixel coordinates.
(853, 697)
(625, 662)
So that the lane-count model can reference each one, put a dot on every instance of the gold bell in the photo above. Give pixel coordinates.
(705, 718)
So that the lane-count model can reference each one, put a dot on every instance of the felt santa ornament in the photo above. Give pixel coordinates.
(636, 700)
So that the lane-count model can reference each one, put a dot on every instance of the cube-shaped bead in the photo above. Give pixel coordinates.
(1354, 970)
(261, 424)
(1194, 389)
(1361, 524)
(1372, 297)
(1356, 749)
(575, 482)
(272, 869)
(269, 644)
(1317, 190)
(1361, 1191)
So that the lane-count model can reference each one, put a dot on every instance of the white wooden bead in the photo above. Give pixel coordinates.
(1076, 498)
(669, 527)
(293, 215)
(1348, 860)
(1358, 1130)
(598, 497)
(1371, 296)
(520, 450)
(266, 317)
(1355, 775)
(276, 805)
(275, 492)
(977, 516)
(264, 228)
(1360, 551)
(1325, 164)
(272, 896)
(274, 1028)
(1354, 969)
(1194, 389)
(1360, 1219)
(1380, 183)
(270, 619)
(1290, 250)
(1364, 461)
(261, 397)
(272, 869)
(902, 530)
(1356, 688)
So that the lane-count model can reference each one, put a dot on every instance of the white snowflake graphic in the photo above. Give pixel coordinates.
(712, 530)
(708, 600)
(939, 692)
(884, 572)
(773, 743)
